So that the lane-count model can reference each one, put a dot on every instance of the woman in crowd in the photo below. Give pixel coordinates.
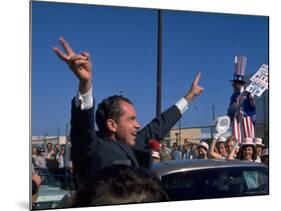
(247, 150)
(218, 150)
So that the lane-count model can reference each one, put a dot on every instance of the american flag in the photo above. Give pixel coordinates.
(240, 65)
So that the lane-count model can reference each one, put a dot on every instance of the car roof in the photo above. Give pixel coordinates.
(172, 166)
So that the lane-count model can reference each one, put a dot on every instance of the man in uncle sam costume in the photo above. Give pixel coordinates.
(242, 109)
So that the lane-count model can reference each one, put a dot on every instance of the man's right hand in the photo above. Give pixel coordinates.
(80, 64)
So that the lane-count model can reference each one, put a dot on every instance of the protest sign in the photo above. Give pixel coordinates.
(261, 76)
(259, 81)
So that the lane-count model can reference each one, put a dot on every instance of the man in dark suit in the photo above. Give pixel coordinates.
(119, 140)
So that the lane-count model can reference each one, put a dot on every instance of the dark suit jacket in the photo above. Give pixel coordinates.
(90, 152)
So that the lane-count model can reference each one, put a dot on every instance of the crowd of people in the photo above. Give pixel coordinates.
(50, 166)
(220, 148)
(52, 157)
(111, 164)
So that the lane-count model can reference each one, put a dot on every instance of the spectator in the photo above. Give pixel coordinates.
(242, 107)
(51, 159)
(265, 156)
(203, 149)
(52, 154)
(57, 148)
(155, 156)
(49, 148)
(176, 153)
(232, 148)
(34, 156)
(259, 146)
(41, 161)
(186, 151)
(247, 150)
(119, 139)
(217, 149)
(229, 144)
(61, 163)
(164, 152)
(61, 158)
(121, 184)
(193, 152)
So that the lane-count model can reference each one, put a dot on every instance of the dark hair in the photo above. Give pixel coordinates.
(109, 108)
(240, 155)
(121, 184)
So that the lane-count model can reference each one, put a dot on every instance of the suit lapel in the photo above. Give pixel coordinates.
(129, 152)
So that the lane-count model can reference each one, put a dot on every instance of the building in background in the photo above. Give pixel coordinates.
(43, 140)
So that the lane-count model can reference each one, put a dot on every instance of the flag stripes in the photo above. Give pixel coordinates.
(248, 128)
(236, 130)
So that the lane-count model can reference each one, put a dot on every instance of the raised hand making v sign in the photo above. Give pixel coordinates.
(80, 64)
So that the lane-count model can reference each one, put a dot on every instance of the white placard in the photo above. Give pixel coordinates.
(261, 76)
(256, 88)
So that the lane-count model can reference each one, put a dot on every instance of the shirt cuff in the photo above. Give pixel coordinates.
(182, 105)
(85, 101)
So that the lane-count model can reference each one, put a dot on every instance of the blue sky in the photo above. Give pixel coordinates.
(123, 46)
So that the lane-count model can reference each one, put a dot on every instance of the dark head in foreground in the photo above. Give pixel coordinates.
(121, 184)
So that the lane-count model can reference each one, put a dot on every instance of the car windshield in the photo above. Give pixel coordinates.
(52, 189)
(216, 183)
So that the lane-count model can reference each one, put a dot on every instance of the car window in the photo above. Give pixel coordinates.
(52, 189)
(216, 183)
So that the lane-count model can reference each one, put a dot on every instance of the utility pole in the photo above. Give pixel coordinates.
(58, 135)
(180, 131)
(213, 112)
(213, 117)
(45, 139)
(67, 148)
(159, 64)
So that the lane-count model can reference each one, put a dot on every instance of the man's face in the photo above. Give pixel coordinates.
(237, 86)
(128, 125)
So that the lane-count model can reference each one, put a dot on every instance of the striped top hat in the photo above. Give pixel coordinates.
(240, 66)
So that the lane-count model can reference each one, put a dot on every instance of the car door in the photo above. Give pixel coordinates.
(216, 183)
